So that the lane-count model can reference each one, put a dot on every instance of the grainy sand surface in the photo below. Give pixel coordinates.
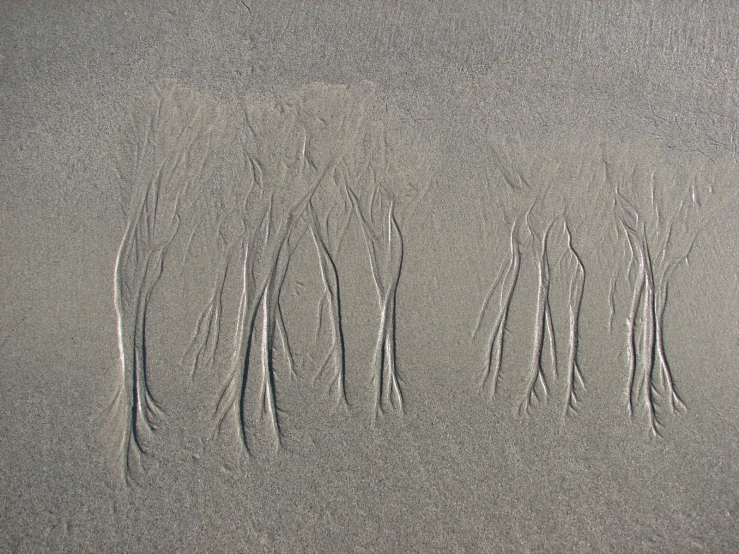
(369, 276)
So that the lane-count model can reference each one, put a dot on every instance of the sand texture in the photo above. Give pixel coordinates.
(369, 277)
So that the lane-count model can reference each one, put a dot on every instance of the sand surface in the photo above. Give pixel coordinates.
(344, 276)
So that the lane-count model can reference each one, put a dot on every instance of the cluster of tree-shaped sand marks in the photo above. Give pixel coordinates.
(568, 198)
(265, 175)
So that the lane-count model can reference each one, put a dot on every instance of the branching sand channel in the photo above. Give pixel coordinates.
(169, 144)
(292, 146)
(553, 199)
(264, 176)
(564, 198)
(305, 164)
(661, 209)
(385, 178)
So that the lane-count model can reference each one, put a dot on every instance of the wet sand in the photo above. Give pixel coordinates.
(369, 277)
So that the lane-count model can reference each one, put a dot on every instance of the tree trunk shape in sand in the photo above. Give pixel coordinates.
(327, 251)
(661, 208)
(539, 183)
(385, 179)
(325, 131)
(646, 355)
(504, 284)
(386, 275)
(169, 155)
(543, 324)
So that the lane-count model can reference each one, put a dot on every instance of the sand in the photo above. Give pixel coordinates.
(369, 277)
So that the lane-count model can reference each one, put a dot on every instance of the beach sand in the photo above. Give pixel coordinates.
(379, 277)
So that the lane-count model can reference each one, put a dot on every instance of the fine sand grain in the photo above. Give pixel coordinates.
(338, 276)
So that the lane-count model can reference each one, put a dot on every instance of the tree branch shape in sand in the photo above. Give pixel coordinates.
(292, 145)
(661, 209)
(169, 149)
(543, 185)
(385, 179)
(522, 193)
(329, 215)
(230, 229)
(586, 222)
(232, 206)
